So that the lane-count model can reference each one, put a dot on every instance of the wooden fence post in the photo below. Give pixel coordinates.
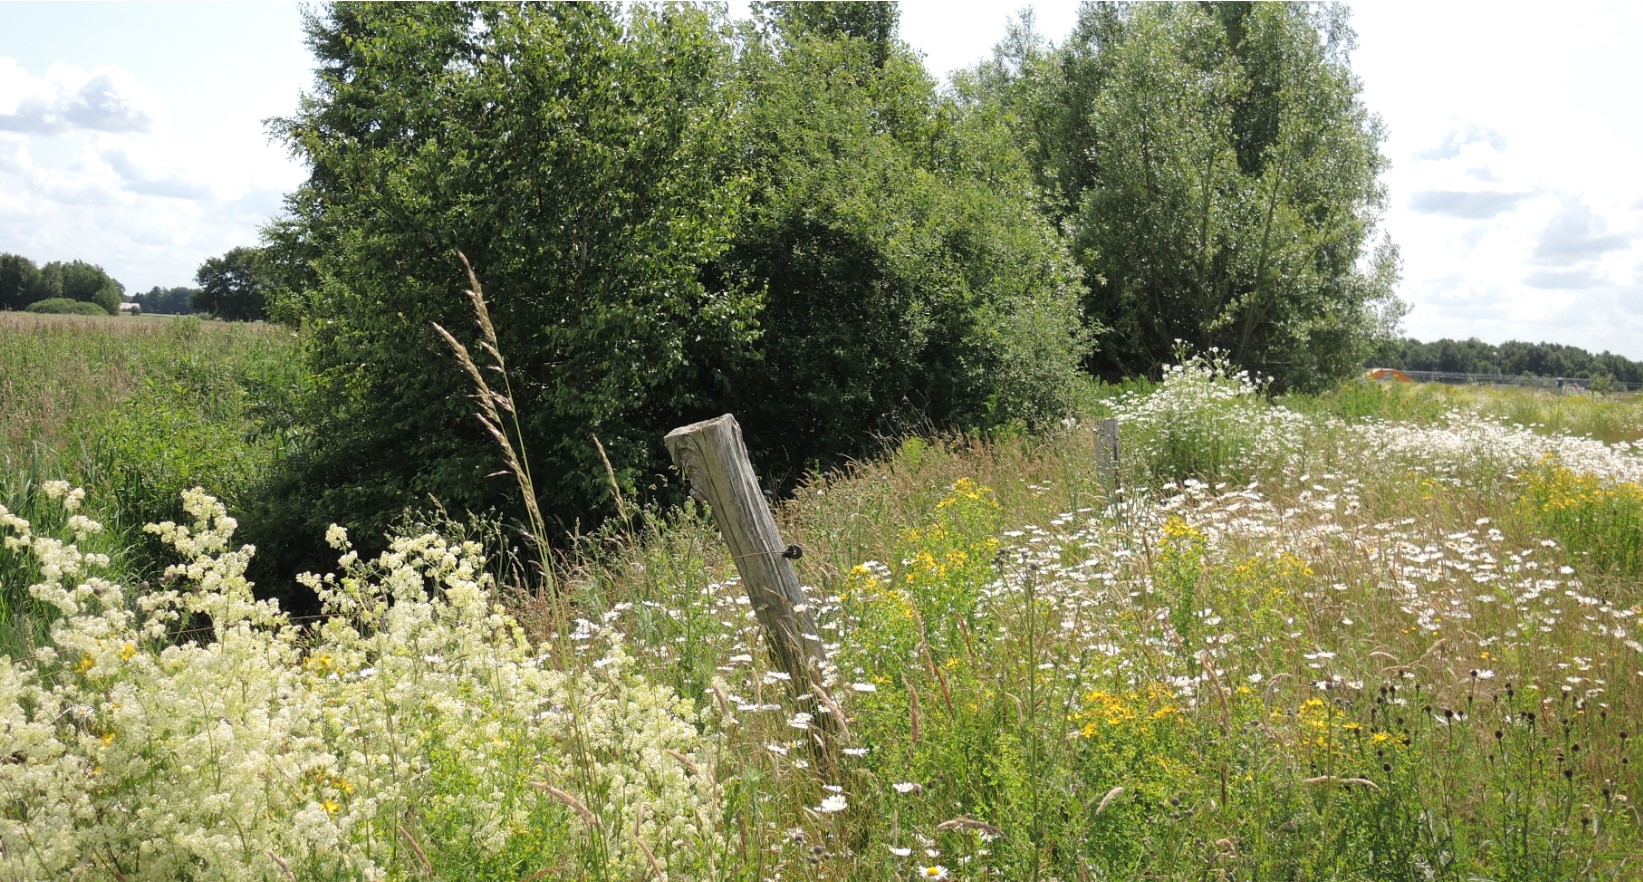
(1106, 455)
(714, 461)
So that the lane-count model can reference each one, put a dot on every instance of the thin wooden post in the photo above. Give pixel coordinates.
(714, 461)
(1106, 455)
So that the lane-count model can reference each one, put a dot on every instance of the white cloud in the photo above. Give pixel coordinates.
(1460, 137)
(104, 99)
(1576, 234)
(148, 181)
(1463, 204)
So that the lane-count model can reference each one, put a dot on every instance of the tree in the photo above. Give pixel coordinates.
(85, 282)
(233, 287)
(20, 282)
(1219, 174)
(579, 155)
(168, 301)
(907, 278)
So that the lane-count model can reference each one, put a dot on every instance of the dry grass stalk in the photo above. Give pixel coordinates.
(970, 824)
(575, 805)
(610, 475)
(416, 849)
(284, 867)
(1107, 800)
(492, 405)
(684, 761)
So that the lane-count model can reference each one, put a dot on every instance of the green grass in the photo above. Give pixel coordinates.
(1611, 418)
(136, 410)
(1355, 667)
(1350, 638)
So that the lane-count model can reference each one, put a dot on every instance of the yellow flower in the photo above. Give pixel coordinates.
(330, 805)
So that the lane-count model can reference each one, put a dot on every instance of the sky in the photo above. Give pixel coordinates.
(134, 136)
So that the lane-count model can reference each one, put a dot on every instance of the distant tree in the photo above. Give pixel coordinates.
(85, 282)
(233, 287)
(20, 282)
(167, 301)
(1512, 358)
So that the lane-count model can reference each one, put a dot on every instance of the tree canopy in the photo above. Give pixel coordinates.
(579, 155)
(671, 218)
(23, 283)
(1514, 358)
(167, 301)
(233, 287)
(1218, 171)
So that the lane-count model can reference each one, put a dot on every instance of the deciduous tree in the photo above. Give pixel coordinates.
(1220, 174)
(233, 287)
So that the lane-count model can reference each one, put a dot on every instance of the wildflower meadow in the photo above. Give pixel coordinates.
(1344, 637)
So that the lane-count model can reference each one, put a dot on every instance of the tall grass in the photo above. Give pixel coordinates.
(136, 410)
(1297, 644)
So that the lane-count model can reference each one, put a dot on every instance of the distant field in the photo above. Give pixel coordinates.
(61, 375)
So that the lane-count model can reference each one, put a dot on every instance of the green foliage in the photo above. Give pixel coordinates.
(906, 277)
(804, 233)
(1218, 173)
(64, 306)
(576, 153)
(167, 301)
(233, 287)
(20, 282)
(85, 282)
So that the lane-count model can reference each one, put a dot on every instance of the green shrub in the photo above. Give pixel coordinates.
(64, 306)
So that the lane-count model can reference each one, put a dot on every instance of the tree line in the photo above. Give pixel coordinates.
(58, 285)
(674, 215)
(1514, 358)
(232, 287)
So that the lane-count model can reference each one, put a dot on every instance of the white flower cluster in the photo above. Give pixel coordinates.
(1207, 419)
(196, 732)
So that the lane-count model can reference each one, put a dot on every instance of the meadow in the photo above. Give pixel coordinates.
(1380, 634)
(135, 409)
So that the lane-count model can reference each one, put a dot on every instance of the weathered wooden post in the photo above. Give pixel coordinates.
(1106, 455)
(714, 461)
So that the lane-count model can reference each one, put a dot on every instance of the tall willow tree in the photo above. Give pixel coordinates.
(1219, 173)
